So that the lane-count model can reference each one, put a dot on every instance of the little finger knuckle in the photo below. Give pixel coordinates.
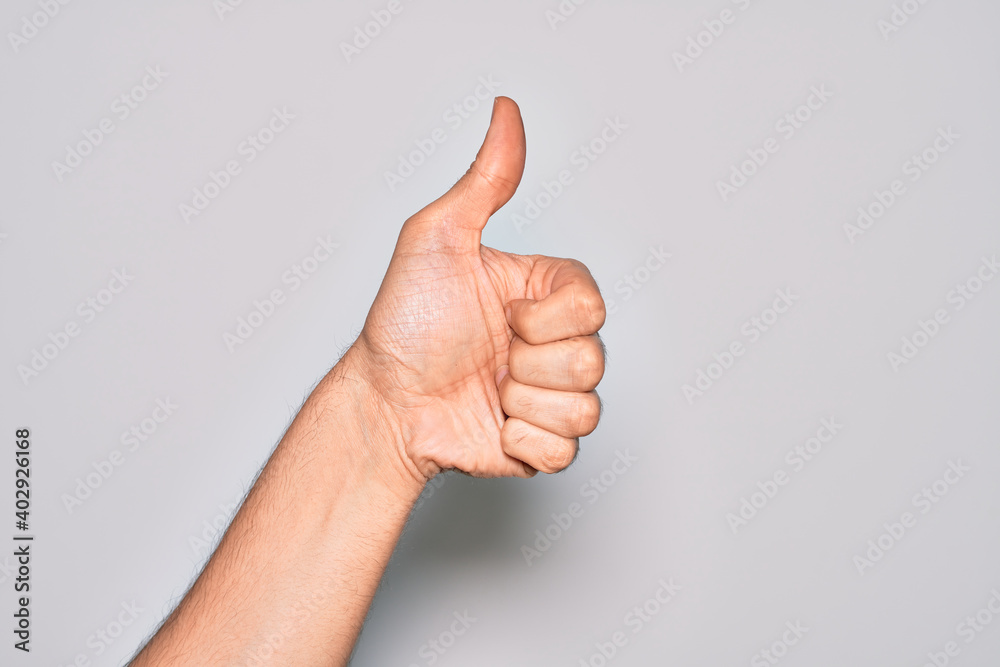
(557, 456)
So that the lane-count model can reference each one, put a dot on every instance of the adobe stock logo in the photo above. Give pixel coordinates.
(927, 330)
(899, 17)
(364, 35)
(88, 309)
(787, 126)
(455, 116)
(249, 149)
(796, 458)
(104, 637)
(778, 649)
(31, 25)
(562, 12)
(582, 158)
(924, 501)
(436, 647)
(914, 168)
(713, 30)
(592, 490)
(132, 439)
(294, 277)
(122, 107)
(636, 619)
(968, 630)
(753, 329)
(632, 282)
(223, 7)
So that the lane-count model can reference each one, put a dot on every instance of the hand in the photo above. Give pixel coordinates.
(470, 359)
(483, 361)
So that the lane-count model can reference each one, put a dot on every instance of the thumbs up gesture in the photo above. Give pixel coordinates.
(480, 360)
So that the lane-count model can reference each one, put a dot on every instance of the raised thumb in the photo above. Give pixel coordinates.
(494, 176)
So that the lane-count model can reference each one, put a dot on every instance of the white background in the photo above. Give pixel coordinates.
(135, 537)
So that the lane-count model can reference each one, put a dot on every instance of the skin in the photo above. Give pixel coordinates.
(470, 359)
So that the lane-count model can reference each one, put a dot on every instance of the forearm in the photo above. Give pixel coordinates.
(294, 576)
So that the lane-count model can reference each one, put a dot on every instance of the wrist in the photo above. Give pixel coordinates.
(373, 433)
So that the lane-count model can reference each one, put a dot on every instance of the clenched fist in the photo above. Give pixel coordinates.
(481, 360)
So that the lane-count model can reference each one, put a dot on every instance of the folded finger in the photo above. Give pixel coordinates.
(542, 450)
(572, 364)
(571, 306)
(569, 414)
